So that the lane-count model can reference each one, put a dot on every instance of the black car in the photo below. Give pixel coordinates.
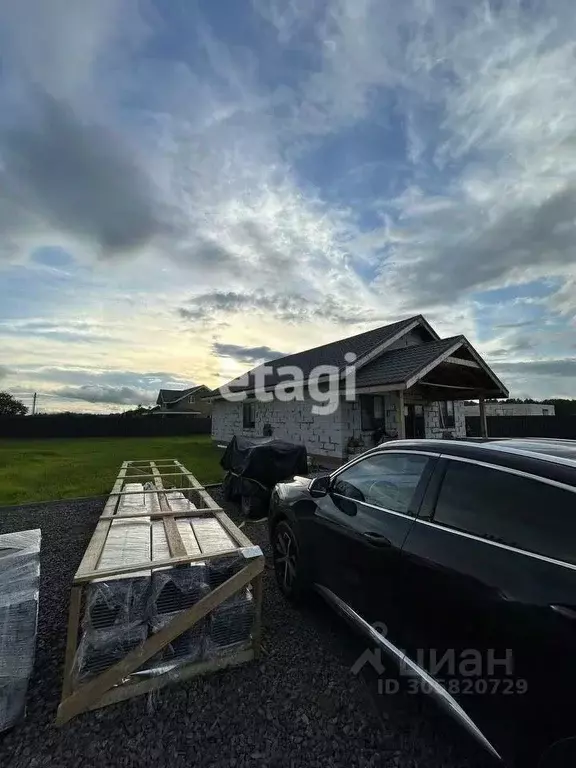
(457, 559)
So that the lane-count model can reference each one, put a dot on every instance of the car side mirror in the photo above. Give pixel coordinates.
(319, 486)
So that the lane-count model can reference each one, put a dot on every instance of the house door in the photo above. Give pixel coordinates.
(414, 421)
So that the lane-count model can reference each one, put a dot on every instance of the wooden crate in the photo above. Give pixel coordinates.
(118, 682)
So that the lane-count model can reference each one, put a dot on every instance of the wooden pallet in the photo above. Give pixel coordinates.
(117, 683)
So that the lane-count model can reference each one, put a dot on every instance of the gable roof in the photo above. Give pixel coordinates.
(362, 345)
(166, 396)
(375, 365)
(400, 365)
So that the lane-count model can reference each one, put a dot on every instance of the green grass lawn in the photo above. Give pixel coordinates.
(45, 470)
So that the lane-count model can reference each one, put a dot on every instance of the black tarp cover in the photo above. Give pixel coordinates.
(266, 460)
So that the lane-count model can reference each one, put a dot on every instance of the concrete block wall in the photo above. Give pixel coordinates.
(351, 418)
(293, 421)
(326, 435)
(432, 420)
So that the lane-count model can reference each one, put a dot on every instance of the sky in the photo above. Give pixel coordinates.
(188, 187)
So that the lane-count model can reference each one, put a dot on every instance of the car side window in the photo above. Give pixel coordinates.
(386, 480)
(508, 508)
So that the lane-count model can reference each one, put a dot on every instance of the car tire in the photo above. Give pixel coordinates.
(561, 754)
(289, 566)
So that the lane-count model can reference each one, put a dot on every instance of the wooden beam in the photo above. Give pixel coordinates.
(159, 490)
(195, 485)
(229, 526)
(401, 418)
(447, 386)
(89, 693)
(184, 672)
(71, 639)
(257, 593)
(460, 361)
(483, 422)
(160, 515)
(94, 550)
(175, 543)
(147, 461)
(427, 368)
(136, 568)
(379, 388)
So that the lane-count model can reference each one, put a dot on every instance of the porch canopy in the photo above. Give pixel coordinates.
(446, 369)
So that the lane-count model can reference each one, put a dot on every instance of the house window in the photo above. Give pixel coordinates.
(249, 415)
(447, 414)
(372, 412)
(545, 412)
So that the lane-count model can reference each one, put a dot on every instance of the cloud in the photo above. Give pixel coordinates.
(291, 308)
(514, 345)
(93, 393)
(564, 367)
(4, 371)
(65, 331)
(350, 162)
(148, 381)
(246, 354)
(77, 177)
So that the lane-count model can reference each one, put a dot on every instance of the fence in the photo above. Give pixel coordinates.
(64, 425)
(524, 426)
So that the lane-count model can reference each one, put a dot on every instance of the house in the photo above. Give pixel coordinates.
(185, 402)
(401, 380)
(511, 409)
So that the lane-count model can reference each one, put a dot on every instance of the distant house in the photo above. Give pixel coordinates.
(408, 382)
(512, 409)
(183, 402)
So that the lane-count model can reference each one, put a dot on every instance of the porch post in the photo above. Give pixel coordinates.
(401, 419)
(483, 422)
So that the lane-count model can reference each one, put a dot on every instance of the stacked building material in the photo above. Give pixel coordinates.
(212, 537)
(114, 616)
(122, 611)
(230, 624)
(176, 589)
(19, 590)
(149, 602)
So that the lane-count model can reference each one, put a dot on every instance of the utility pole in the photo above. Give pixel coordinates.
(34, 404)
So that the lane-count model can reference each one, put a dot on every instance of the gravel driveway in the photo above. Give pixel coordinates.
(300, 705)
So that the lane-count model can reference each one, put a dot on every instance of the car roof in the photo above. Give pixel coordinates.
(547, 457)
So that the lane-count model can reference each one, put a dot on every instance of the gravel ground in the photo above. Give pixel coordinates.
(300, 705)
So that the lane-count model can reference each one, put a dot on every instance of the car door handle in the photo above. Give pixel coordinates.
(377, 538)
(565, 610)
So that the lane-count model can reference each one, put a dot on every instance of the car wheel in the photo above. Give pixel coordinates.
(288, 565)
(562, 754)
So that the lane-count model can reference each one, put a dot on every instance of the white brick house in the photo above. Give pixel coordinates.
(403, 368)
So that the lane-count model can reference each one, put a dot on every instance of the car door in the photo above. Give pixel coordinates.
(361, 525)
(490, 591)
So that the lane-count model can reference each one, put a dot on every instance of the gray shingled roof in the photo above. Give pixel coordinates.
(399, 365)
(170, 395)
(328, 354)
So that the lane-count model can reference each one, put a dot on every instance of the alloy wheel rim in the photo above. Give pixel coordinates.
(286, 555)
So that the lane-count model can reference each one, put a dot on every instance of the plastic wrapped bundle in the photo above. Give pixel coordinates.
(120, 600)
(100, 649)
(175, 589)
(223, 568)
(230, 624)
(116, 602)
(19, 585)
(211, 535)
(187, 647)
(12, 700)
(178, 502)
